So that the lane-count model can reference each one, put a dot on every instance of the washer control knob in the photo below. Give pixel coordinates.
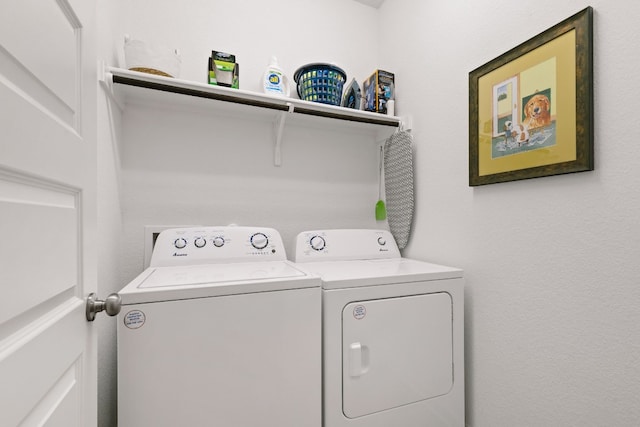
(200, 242)
(259, 240)
(180, 243)
(381, 241)
(218, 242)
(317, 243)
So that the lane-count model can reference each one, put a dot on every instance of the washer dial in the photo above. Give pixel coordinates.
(259, 240)
(218, 241)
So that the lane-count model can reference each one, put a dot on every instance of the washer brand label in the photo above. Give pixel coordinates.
(359, 311)
(134, 319)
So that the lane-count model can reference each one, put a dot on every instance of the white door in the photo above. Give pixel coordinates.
(396, 351)
(47, 212)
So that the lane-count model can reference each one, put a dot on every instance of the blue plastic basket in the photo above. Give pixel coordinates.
(320, 82)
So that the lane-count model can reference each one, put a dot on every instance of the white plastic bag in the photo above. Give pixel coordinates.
(139, 56)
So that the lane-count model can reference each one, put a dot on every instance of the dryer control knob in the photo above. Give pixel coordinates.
(180, 243)
(200, 242)
(381, 241)
(317, 243)
(259, 240)
(218, 242)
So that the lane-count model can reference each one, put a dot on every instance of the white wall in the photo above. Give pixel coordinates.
(190, 165)
(297, 32)
(109, 215)
(176, 165)
(551, 264)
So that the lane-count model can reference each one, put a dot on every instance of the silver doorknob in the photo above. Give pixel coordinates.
(111, 305)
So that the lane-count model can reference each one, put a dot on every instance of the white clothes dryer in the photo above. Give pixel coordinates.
(220, 330)
(393, 344)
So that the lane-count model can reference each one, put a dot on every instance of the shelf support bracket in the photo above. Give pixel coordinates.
(106, 81)
(406, 123)
(279, 128)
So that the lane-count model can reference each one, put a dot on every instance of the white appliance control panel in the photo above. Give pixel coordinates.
(210, 245)
(346, 244)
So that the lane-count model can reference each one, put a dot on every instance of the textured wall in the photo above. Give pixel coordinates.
(552, 267)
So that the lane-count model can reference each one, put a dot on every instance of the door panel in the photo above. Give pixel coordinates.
(53, 243)
(396, 351)
(64, 397)
(40, 54)
(52, 354)
(47, 212)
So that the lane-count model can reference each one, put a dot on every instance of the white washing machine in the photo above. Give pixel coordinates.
(220, 330)
(393, 345)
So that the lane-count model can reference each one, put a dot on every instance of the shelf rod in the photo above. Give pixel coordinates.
(302, 110)
(252, 102)
(197, 93)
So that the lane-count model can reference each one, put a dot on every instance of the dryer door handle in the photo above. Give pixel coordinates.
(358, 359)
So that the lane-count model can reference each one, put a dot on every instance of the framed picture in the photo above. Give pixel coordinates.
(531, 109)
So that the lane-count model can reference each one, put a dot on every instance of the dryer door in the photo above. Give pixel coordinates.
(396, 351)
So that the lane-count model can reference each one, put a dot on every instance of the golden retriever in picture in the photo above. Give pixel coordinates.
(537, 112)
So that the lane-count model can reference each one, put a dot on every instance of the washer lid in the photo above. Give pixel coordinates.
(209, 280)
(350, 274)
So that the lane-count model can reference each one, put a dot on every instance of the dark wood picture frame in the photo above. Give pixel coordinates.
(513, 136)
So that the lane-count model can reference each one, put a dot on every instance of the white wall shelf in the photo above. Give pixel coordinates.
(123, 85)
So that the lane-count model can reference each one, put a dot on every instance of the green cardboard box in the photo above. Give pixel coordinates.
(224, 70)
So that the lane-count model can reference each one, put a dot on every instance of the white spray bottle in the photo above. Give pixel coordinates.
(274, 81)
